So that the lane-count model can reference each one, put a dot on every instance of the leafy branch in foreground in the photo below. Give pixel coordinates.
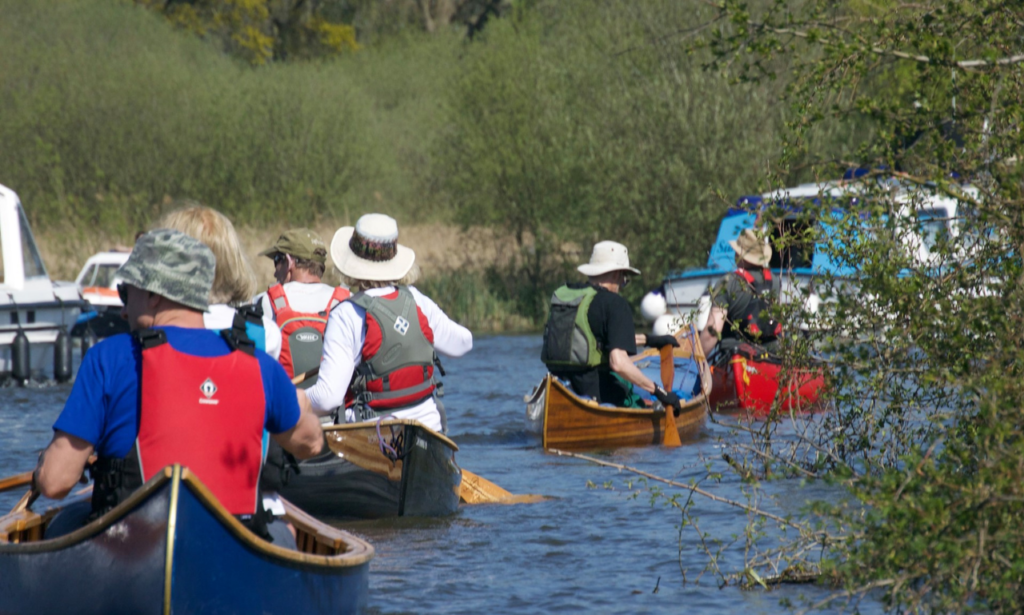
(919, 453)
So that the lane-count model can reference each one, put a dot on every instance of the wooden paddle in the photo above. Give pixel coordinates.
(300, 378)
(478, 490)
(668, 372)
(16, 481)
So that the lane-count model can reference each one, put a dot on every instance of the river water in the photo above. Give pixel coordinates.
(594, 547)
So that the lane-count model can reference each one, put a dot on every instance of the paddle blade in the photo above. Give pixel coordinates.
(668, 374)
(478, 490)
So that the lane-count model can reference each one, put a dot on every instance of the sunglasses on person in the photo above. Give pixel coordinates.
(279, 258)
(625, 280)
(122, 293)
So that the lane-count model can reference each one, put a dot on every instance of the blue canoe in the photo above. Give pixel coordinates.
(172, 548)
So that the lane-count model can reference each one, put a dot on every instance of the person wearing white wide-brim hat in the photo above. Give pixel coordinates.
(385, 312)
(591, 350)
(739, 304)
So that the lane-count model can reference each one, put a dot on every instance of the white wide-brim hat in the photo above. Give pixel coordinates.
(370, 250)
(607, 256)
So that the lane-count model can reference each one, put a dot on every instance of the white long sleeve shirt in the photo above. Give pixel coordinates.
(343, 347)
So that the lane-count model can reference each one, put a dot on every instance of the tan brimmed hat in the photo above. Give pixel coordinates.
(607, 256)
(370, 250)
(752, 249)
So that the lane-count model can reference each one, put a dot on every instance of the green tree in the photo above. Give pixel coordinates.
(262, 30)
(924, 348)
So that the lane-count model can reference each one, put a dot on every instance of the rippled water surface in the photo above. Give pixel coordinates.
(594, 547)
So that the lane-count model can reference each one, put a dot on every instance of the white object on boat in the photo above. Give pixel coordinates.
(668, 324)
(29, 300)
(652, 305)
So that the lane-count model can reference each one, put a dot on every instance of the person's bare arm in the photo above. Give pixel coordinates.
(713, 330)
(619, 361)
(306, 439)
(61, 465)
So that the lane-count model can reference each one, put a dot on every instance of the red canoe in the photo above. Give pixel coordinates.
(749, 381)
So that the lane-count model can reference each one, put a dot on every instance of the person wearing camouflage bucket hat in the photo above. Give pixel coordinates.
(173, 265)
(173, 391)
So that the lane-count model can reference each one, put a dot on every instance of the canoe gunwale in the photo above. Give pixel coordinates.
(358, 551)
(388, 422)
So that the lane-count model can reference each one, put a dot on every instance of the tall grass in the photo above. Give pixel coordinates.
(108, 113)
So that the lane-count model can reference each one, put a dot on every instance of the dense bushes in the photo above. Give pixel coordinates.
(560, 123)
(107, 109)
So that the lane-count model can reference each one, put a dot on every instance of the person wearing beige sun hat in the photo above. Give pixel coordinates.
(741, 299)
(381, 345)
(589, 335)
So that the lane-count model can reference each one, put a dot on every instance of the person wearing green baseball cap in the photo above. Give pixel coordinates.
(300, 302)
(173, 391)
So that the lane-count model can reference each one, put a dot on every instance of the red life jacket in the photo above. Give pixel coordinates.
(302, 333)
(397, 368)
(206, 413)
(755, 322)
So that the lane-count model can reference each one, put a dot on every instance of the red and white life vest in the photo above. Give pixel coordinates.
(206, 413)
(302, 333)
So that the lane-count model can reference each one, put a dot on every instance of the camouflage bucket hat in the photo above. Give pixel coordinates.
(300, 243)
(172, 265)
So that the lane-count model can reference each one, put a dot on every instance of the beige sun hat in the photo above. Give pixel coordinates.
(752, 249)
(607, 256)
(370, 250)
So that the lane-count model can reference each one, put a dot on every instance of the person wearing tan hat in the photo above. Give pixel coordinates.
(381, 345)
(740, 300)
(589, 335)
(300, 302)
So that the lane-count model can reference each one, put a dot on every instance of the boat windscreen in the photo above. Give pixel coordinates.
(29, 252)
(105, 276)
(799, 245)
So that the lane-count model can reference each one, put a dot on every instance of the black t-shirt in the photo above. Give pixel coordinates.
(611, 320)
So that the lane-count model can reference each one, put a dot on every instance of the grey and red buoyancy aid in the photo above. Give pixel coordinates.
(302, 333)
(398, 358)
(755, 323)
(205, 413)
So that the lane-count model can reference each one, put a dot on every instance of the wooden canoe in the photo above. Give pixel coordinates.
(568, 422)
(172, 548)
(357, 476)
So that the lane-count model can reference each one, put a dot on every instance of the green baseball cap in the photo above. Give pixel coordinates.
(173, 265)
(301, 243)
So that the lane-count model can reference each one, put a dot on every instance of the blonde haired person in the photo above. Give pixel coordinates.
(234, 282)
(379, 346)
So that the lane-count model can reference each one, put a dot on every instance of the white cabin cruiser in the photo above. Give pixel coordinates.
(98, 281)
(32, 306)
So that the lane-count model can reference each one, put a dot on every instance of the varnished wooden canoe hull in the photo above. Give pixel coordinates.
(171, 548)
(572, 423)
(355, 479)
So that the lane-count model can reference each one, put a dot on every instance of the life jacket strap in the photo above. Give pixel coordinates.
(150, 338)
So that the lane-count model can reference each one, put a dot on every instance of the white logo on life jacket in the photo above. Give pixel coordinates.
(401, 325)
(208, 389)
(307, 337)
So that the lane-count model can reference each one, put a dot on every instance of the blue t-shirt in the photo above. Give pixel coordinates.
(103, 408)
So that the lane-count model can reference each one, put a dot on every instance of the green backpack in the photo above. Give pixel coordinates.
(568, 341)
